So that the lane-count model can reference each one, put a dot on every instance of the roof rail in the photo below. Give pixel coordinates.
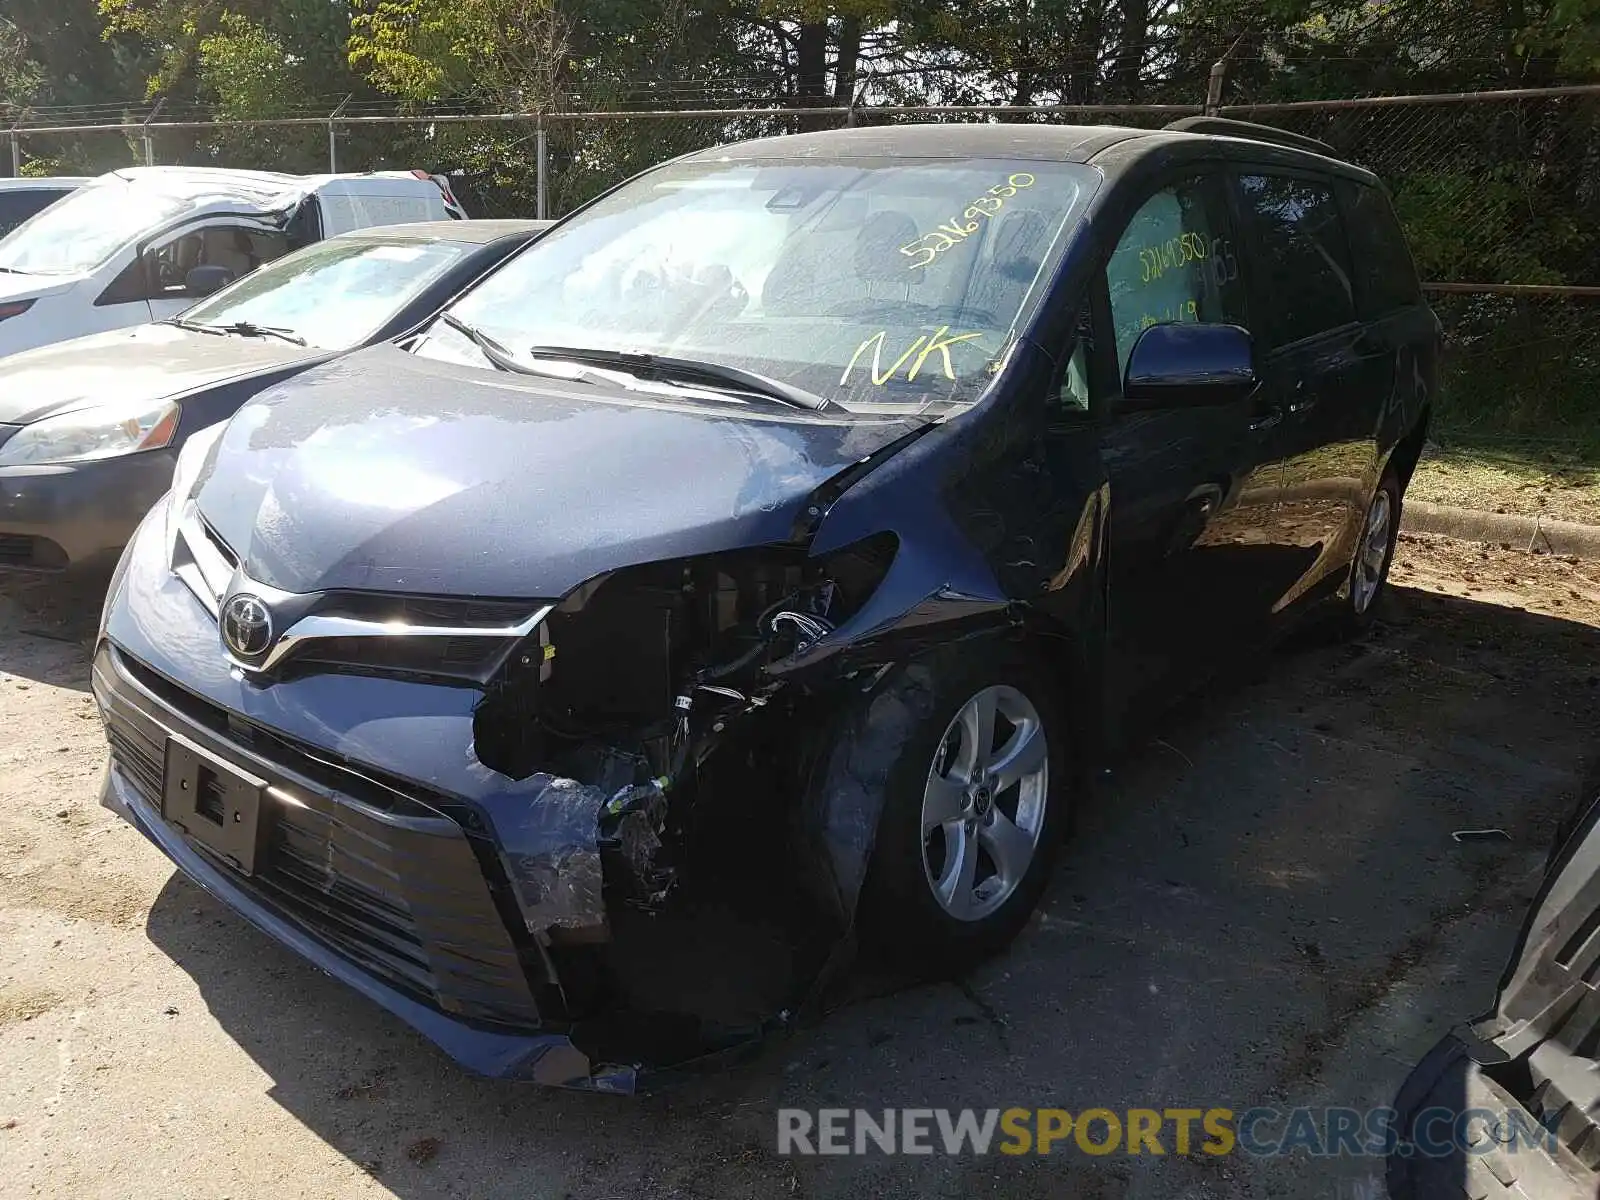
(1223, 127)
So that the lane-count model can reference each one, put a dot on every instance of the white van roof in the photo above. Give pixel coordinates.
(43, 183)
(270, 189)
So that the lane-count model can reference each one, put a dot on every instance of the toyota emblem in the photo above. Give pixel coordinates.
(246, 625)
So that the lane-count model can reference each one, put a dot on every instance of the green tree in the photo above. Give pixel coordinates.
(505, 52)
(240, 60)
(309, 35)
(20, 76)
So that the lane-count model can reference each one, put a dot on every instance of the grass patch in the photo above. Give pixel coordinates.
(1556, 480)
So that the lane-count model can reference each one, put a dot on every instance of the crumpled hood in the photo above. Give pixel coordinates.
(147, 362)
(384, 471)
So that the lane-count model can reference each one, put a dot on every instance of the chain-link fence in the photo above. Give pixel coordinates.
(1499, 193)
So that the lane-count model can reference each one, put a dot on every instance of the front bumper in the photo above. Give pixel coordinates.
(55, 517)
(393, 903)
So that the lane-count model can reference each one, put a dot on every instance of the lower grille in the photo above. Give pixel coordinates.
(308, 874)
(141, 764)
(408, 906)
(311, 873)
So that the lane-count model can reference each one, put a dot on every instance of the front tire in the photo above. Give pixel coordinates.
(975, 806)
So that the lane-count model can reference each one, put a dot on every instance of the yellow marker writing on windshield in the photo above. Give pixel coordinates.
(876, 342)
(939, 344)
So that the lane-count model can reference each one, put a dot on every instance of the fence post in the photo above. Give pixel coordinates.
(146, 136)
(333, 137)
(542, 162)
(1219, 74)
(16, 146)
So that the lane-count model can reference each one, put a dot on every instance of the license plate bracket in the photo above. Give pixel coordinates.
(214, 802)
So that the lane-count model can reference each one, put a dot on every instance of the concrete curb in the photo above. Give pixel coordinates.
(1524, 533)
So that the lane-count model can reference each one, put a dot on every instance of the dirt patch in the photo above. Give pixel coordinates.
(24, 1002)
(53, 883)
(57, 853)
(1502, 574)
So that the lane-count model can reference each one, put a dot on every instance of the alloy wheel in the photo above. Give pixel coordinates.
(1372, 553)
(984, 805)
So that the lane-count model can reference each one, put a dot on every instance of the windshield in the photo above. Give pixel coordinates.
(334, 294)
(877, 284)
(82, 231)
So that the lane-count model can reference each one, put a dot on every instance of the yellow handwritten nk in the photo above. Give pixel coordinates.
(939, 344)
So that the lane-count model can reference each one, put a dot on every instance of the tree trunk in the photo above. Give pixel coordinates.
(1025, 83)
(1130, 48)
(1084, 81)
(844, 63)
(811, 62)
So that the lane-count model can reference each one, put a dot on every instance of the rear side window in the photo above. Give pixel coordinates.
(1175, 262)
(1385, 275)
(343, 211)
(1302, 264)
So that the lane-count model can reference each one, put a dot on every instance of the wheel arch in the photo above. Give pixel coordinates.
(1407, 451)
(871, 713)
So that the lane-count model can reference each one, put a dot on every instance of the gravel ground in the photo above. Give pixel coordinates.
(1263, 905)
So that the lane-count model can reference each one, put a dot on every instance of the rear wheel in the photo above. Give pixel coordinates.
(974, 809)
(1369, 568)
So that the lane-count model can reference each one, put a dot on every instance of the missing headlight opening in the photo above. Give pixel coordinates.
(643, 714)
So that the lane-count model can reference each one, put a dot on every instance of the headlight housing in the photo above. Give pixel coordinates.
(191, 459)
(104, 431)
(177, 505)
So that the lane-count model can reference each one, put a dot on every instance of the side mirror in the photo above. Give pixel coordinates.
(203, 280)
(1178, 365)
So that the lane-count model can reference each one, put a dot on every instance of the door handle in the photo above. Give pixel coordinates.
(1302, 406)
(1266, 420)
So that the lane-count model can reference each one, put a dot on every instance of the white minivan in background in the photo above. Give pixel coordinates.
(143, 243)
(21, 198)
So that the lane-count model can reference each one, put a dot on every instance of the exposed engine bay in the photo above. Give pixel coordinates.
(644, 707)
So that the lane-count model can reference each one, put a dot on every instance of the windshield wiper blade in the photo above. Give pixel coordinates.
(251, 329)
(685, 370)
(497, 354)
(15, 271)
(196, 326)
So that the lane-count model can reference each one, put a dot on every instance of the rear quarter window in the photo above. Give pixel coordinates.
(347, 210)
(1385, 273)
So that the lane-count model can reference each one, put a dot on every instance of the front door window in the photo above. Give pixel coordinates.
(1175, 262)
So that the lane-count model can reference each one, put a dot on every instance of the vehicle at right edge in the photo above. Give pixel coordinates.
(1508, 1105)
(749, 568)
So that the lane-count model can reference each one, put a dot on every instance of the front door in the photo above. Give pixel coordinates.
(1192, 489)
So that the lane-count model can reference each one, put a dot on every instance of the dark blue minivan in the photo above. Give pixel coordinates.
(750, 568)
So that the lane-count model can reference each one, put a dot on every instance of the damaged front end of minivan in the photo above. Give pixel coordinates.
(620, 828)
